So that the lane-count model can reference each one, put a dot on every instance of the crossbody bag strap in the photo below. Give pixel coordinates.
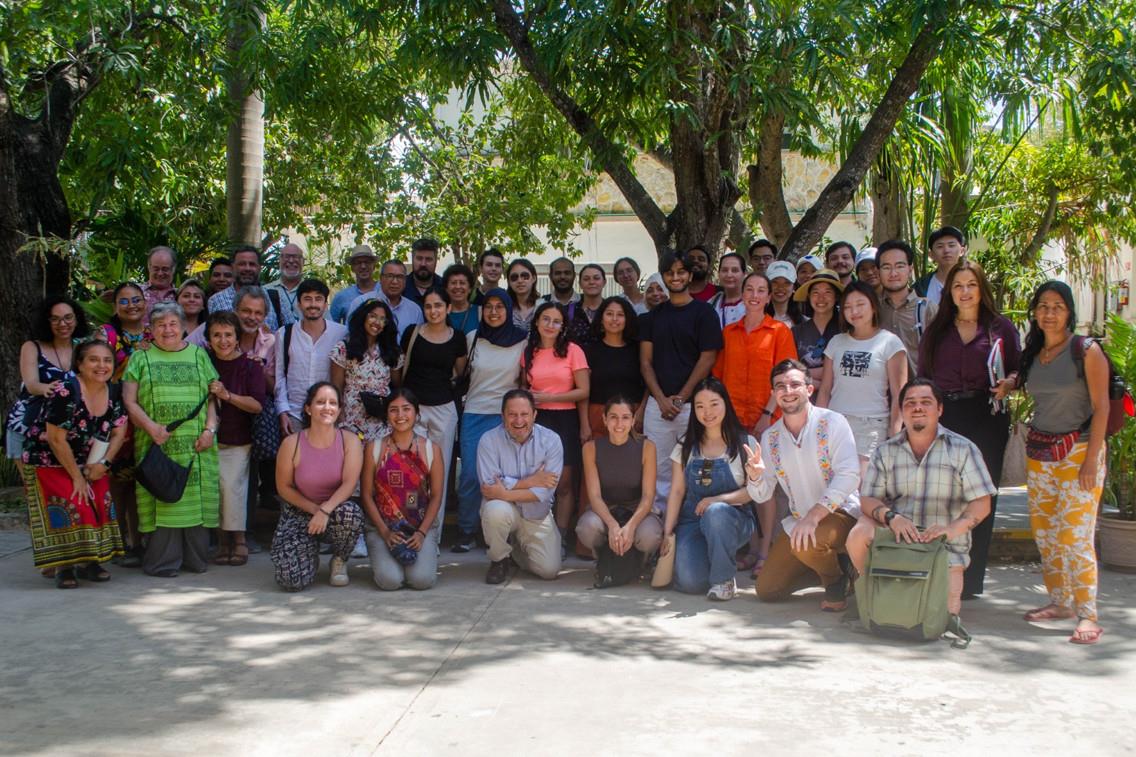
(409, 350)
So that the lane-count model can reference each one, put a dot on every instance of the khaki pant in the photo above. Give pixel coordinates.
(537, 542)
(786, 570)
(233, 469)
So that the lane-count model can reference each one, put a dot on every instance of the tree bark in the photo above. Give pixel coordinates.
(956, 184)
(766, 179)
(842, 187)
(887, 204)
(244, 170)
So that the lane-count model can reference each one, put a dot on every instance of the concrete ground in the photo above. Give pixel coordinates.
(224, 663)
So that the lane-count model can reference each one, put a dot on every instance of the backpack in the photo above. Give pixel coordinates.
(1120, 403)
(903, 592)
(613, 569)
(274, 298)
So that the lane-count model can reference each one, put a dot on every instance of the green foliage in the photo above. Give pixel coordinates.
(1121, 485)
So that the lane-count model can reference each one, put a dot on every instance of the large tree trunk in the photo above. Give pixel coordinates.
(887, 203)
(244, 174)
(956, 183)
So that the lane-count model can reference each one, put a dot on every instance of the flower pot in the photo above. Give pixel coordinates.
(1117, 543)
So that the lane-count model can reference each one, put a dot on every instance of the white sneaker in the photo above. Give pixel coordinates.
(360, 548)
(338, 572)
(723, 592)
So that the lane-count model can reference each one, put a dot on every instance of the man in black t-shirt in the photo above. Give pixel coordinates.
(679, 342)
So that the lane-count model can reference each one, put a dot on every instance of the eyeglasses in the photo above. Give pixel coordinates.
(124, 301)
(889, 267)
(55, 320)
(520, 276)
(791, 386)
(394, 276)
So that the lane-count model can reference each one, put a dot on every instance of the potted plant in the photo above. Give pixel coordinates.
(1117, 522)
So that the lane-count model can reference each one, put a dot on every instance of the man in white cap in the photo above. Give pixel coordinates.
(362, 261)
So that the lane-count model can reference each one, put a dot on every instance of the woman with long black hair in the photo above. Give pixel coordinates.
(363, 364)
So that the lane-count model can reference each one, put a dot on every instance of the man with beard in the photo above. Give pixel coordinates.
(840, 257)
(246, 267)
(948, 246)
(698, 261)
(282, 292)
(924, 483)
(562, 275)
(902, 311)
(392, 281)
(159, 287)
(679, 342)
(423, 263)
(303, 355)
(823, 499)
(518, 464)
(220, 276)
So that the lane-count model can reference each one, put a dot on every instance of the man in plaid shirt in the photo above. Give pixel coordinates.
(923, 483)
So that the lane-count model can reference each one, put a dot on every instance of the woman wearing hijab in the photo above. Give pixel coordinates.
(494, 366)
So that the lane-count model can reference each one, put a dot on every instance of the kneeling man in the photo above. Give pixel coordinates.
(518, 465)
(923, 483)
(811, 453)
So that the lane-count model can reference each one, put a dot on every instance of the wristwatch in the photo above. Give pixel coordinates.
(889, 516)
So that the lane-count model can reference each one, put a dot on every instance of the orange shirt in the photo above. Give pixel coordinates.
(747, 359)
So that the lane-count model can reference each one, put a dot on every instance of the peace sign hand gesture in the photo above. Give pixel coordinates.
(754, 465)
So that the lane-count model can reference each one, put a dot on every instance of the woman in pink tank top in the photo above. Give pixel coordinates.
(317, 470)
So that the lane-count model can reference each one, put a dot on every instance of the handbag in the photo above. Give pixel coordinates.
(1014, 459)
(1049, 448)
(158, 473)
(374, 404)
(664, 569)
(265, 434)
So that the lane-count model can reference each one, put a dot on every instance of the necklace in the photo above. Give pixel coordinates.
(400, 449)
(1048, 353)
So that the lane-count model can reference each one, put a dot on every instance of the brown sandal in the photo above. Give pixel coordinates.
(240, 554)
(224, 555)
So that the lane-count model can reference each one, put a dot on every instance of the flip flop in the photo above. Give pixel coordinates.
(1049, 612)
(1087, 636)
(757, 566)
(65, 579)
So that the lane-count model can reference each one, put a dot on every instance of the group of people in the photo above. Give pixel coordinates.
(683, 414)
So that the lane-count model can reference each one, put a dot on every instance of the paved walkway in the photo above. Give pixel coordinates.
(224, 663)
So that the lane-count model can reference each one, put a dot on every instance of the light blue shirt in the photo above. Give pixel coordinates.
(406, 314)
(342, 301)
(499, 458)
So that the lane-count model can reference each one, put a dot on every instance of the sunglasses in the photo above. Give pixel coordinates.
(519, 276)
(124, 301)
(704, 472)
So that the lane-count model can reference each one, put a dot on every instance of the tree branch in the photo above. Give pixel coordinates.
(609, 154)
(842, 187)
(766, 190)
(1034, 247)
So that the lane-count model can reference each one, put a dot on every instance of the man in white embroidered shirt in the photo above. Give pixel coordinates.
(518, 464)
(811, 453)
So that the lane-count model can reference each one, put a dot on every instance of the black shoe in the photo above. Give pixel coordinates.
(465, 543)
(498, 572)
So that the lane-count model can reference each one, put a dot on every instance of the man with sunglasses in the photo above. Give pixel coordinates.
(811, 453)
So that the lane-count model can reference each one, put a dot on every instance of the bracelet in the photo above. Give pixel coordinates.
(767, 412)
(420, 531)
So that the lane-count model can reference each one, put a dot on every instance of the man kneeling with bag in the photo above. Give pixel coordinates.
(923, 484)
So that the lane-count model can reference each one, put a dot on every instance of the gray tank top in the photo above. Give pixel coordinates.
(621, 471)
(1061, 401)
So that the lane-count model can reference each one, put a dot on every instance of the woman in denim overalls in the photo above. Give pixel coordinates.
(708, 509)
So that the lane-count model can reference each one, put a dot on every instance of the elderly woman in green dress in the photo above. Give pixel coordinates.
(162, 385)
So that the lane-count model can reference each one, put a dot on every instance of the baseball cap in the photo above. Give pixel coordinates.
(782, 269)
(866, 254)
(812, 260)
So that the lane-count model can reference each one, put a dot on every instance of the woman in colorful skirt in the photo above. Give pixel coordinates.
(402, 496)
(72, 517)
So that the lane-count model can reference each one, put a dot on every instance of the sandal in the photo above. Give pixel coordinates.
(240, 554)
(757, 566)
(747, 561)
(1049, 612)
(93, 572)
(1086, 636)
(224, 556)
(65, 579)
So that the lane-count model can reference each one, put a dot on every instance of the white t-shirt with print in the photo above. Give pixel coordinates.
(859, 373)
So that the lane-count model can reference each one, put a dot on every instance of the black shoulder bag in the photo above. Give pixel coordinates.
(157, 472)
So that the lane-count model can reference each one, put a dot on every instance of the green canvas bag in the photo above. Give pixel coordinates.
(903, 591)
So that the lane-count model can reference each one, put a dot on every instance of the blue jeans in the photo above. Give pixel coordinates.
(706, 547)
(473, 427)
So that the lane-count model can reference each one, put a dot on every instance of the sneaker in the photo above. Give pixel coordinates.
(465, 543)
(723, 592)
(360, 548)
(498, 572)
(338, 572)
